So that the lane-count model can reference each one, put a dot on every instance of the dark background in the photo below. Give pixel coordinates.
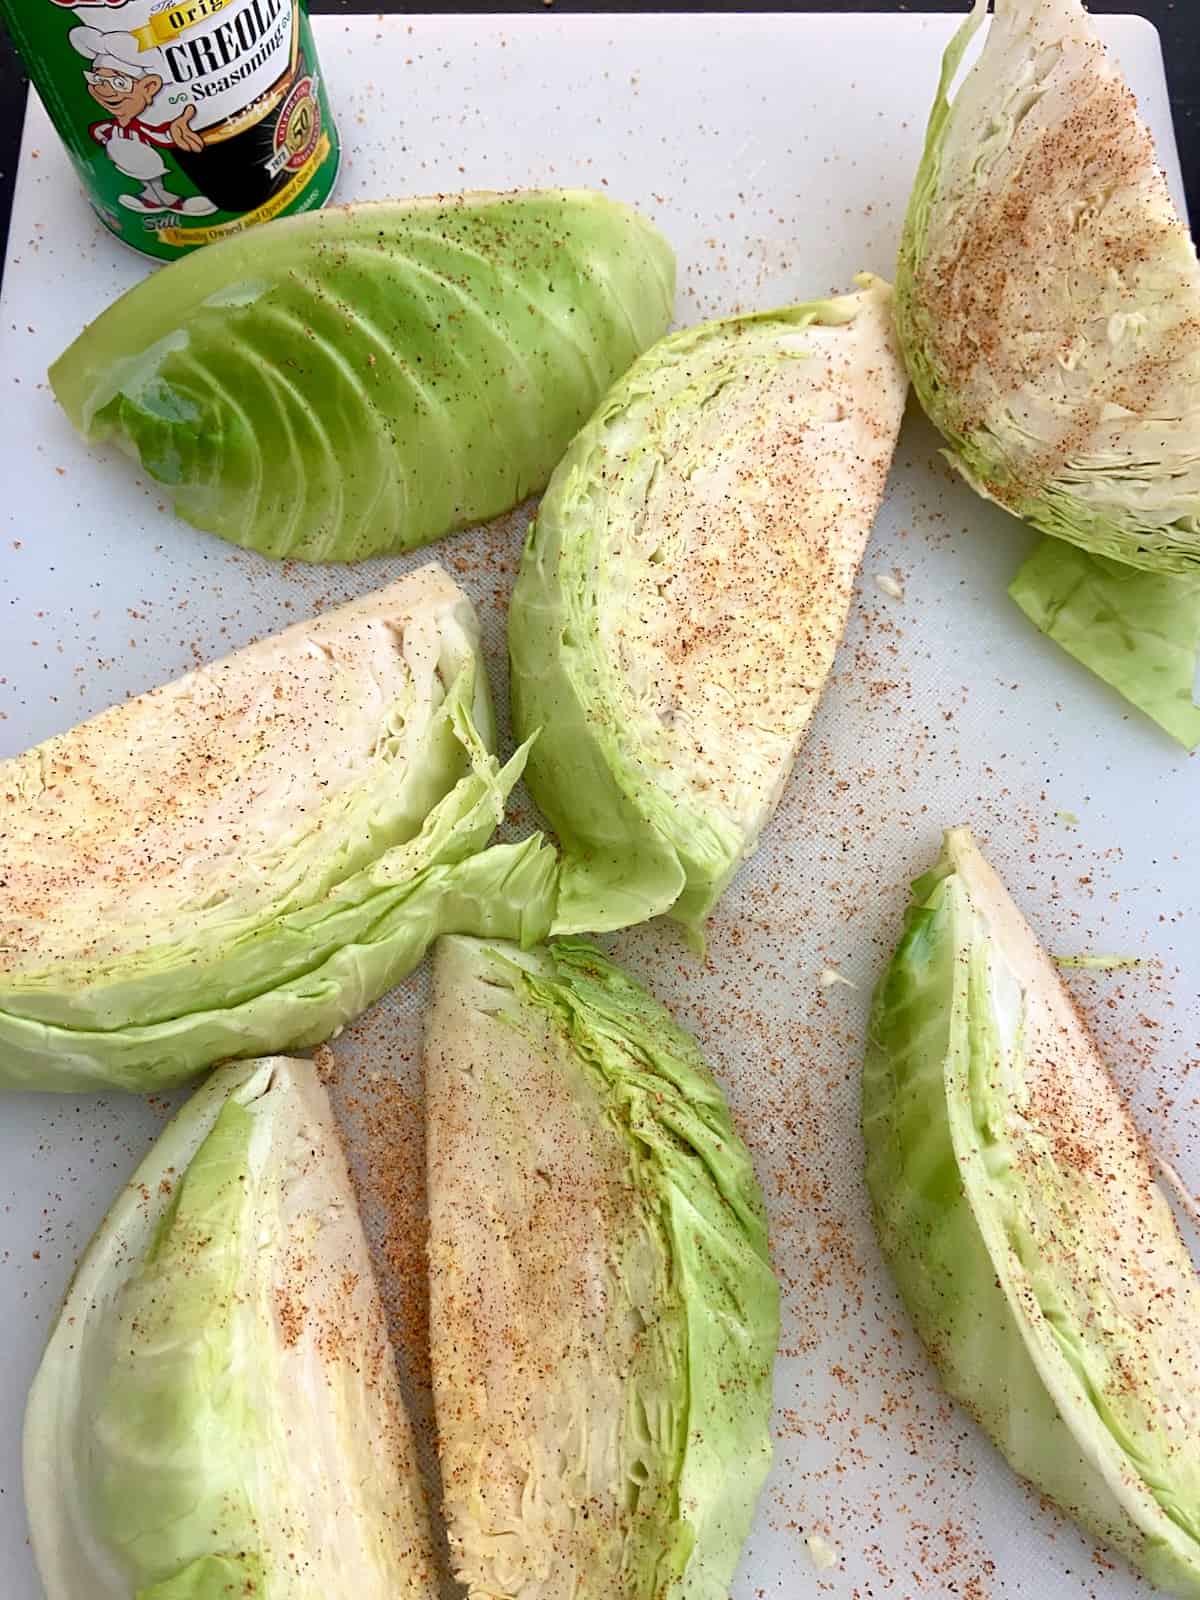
(1178, 23)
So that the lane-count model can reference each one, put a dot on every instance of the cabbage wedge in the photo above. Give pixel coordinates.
(603, 1312)
(1048, 293)
(370, 377)
(683, 593)
(244, 860)
(1018, 1209)
(217, 1414)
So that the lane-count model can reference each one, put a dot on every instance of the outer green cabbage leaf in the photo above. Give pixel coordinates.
(1018, 1209)
(370, 377)
(603, 1313)
(247, 858)
(683, 592)
(1139, 631)
(210, 1578)
(1048, 293)
(217, 1413)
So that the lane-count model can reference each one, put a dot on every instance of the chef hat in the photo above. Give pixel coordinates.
(117, 50)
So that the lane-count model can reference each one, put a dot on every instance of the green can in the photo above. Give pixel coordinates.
(186, 123)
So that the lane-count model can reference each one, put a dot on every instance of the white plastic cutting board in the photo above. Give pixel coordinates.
(777, 153)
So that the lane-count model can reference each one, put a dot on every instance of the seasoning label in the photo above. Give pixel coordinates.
(187, 122)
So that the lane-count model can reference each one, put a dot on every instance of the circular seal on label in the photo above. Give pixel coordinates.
(299, 125)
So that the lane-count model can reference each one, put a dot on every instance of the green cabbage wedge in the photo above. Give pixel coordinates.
(603, 1312)
(1048, 293)
(217, 1414)
(373, 376)
(1018, 1209)
(244, 860)
(683, 592)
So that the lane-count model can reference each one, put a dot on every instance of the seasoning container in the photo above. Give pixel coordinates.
(186, 123)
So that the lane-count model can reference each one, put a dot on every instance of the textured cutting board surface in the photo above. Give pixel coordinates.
(777, 154)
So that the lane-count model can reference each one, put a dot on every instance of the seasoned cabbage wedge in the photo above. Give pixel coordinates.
(603, 1312)
(1048, 293)
(370, 377)
(217, 1414)
(1018, 1209)
(245, 859)
(683, 592)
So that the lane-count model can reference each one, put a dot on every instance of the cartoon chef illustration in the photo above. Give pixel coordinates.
(126, 89)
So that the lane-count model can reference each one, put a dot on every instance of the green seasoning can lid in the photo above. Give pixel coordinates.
(188, 122)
